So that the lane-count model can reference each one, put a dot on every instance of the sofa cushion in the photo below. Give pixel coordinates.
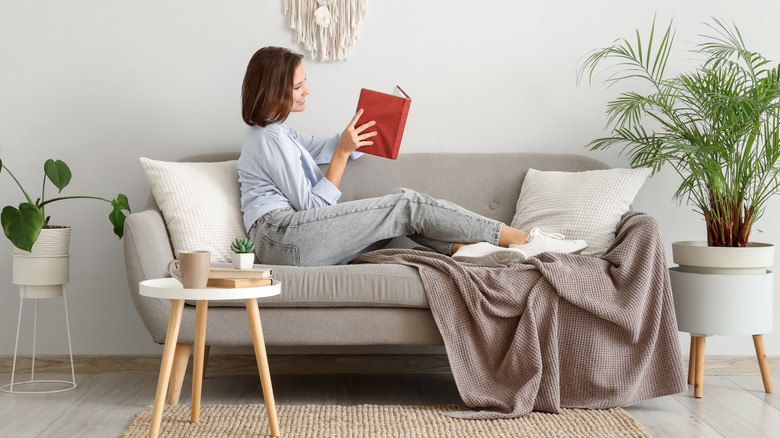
(200, 203)
(581, 205)
(361, 285)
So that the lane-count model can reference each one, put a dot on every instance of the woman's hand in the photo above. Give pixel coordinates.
(351, 139)
(355, 137)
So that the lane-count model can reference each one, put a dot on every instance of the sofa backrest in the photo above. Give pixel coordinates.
(485, 183)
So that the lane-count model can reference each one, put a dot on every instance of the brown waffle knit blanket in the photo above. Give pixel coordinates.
(558, 331)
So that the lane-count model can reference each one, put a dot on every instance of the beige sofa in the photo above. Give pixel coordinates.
(352, 304)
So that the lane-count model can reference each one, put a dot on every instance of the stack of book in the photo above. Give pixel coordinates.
(230, 277)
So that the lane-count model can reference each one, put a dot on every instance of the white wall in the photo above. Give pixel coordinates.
(100, 83)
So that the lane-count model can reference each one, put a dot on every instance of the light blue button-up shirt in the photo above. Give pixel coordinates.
(278, 168)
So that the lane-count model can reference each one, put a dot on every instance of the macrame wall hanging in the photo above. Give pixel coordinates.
(329, 27)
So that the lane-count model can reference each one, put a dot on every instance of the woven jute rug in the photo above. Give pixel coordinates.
(372, 421)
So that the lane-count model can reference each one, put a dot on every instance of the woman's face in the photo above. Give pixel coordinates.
(300, 90)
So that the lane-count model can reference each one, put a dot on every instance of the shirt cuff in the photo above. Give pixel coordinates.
(327, 191)
(355, 155)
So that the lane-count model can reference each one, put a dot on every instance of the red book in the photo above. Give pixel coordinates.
(389, 111)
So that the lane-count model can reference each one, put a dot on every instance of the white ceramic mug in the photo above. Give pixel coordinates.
(194, 266)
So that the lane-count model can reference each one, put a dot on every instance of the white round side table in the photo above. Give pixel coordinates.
(170, 288)
(722, 304)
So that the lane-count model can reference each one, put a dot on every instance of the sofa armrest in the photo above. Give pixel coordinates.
(147, 254)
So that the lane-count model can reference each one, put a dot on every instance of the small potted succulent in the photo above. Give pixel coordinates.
(245, 253)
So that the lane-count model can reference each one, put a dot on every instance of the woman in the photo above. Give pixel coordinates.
(290, 208)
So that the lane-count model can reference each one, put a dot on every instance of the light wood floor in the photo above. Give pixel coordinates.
(112, 389)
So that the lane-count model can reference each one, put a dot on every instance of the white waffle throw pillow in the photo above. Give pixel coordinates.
(200, 203)
(580, 205)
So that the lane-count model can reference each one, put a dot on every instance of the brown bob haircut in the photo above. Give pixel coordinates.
(266, 96)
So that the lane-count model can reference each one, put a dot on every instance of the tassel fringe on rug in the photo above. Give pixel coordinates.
(373, 421)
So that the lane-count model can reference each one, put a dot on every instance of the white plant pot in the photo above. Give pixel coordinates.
(42, 272)
(722, 304)
(697, 257)
(244, 260)
(722, 290)
(53, 241)
(41, 292)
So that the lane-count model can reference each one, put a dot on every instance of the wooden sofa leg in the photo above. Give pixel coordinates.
(180, 359)
(692, 362)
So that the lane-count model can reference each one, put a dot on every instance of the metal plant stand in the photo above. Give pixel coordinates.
(36, 284)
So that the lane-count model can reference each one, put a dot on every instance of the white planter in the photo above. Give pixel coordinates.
(41, 292)
(42, 272)
(243, 260)
(697, 257)
(53, 241)
(722, 304)
(722, 290)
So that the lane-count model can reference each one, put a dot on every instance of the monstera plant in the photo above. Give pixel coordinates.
(23, 224)
(717, 125)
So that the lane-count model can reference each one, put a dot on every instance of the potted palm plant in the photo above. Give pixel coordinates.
(41, 260)
(717, 126)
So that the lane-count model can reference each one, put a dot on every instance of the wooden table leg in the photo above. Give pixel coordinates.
(206, 359)
(698, 386)
(262, 363)
(171, 338)
(180, 359)
(201, 311)
(763, 364)
(692, 362)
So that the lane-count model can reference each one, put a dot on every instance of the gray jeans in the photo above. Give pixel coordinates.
(338, 233)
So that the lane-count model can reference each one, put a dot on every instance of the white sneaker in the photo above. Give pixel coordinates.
(540, 241)
(488, 254)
